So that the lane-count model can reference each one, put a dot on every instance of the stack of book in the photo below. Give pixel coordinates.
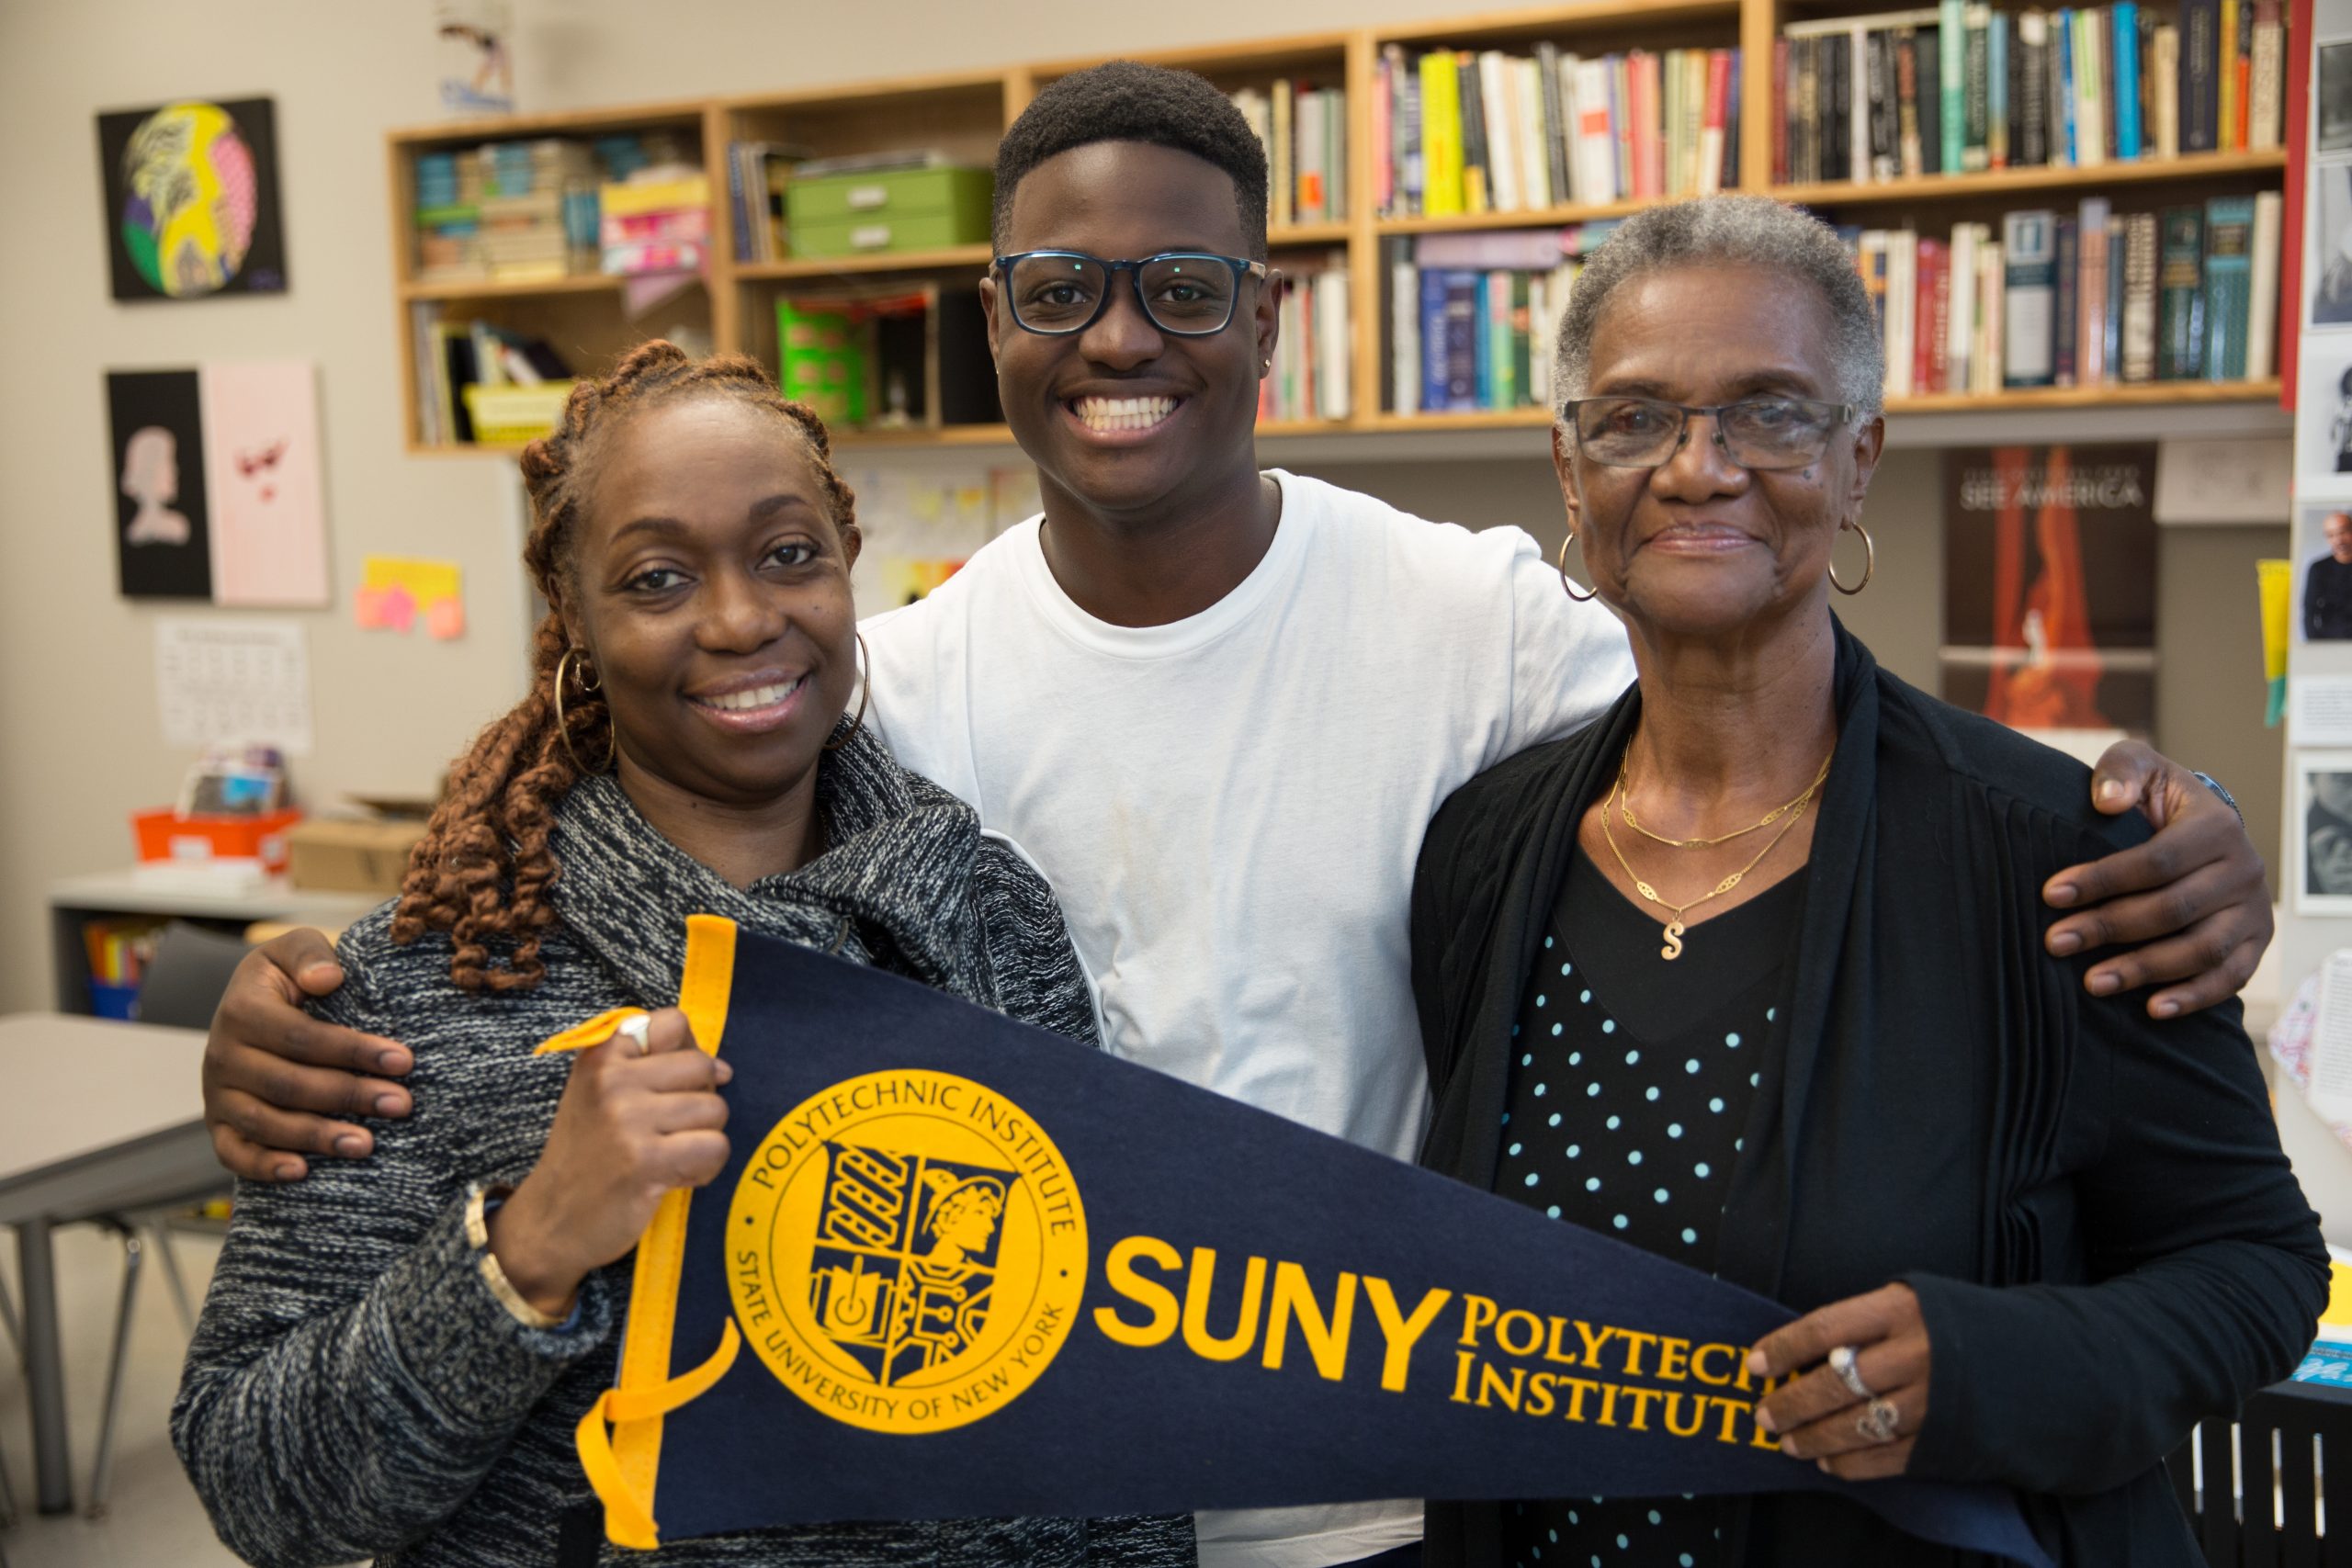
(1473, 318)
(1313, 369)
(1960, 87)
(537, 197)
(1457, 132)
(2084, 299)
(757, 174)
(657, 220)
(506, 212)
(1304, 130)
(448, 219)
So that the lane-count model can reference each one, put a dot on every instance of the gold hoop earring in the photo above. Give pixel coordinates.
(563, 729)
(1870, 562)
(1568, 585)
(865, 691)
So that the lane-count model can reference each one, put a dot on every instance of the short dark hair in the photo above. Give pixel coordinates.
(1124, 101)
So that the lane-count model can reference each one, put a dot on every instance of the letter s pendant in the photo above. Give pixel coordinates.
(1673, 948)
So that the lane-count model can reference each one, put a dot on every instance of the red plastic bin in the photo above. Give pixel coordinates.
(165, 835)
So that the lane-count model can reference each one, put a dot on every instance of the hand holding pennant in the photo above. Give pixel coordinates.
(982, 1271)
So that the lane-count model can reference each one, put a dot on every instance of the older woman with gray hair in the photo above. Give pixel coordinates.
(1750, 974)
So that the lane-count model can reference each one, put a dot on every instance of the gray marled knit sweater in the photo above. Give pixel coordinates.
(356, 1390)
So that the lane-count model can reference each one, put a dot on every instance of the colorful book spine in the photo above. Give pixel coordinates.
(1976, 90)
(2066, 303)
(1442, 135)
(1951, 28)
(2180, 295)
(2201, 102)
(2229, 259)
(2029, 260)
(2138, 347)
(2127, 79)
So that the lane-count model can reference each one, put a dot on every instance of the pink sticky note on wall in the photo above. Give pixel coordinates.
(445, 619)
(367, 609)
(399, 607)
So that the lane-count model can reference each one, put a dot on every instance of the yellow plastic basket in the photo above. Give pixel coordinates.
(511, 416)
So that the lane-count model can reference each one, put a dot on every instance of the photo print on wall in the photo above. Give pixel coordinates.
(163, 540)
(192, 204)
(218, 481)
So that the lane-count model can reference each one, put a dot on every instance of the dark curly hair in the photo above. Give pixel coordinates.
(482, 871)
(1124, 101)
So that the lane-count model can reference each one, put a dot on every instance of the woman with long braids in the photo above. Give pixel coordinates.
(392, 1362)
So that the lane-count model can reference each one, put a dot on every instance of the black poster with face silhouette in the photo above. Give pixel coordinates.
(162, 530)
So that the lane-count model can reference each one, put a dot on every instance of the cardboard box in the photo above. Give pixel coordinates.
(333, 855)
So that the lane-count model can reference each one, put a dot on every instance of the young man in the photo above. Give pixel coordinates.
(1218, 707)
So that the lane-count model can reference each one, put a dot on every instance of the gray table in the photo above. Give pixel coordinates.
(97, 1118)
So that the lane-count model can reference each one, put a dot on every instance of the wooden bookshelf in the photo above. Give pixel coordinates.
(956, 257)
(2188, 168)
(964, 113)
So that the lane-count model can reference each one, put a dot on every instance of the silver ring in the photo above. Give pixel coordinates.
(1842, 1361)
(1878, 1422)
(636, 1030)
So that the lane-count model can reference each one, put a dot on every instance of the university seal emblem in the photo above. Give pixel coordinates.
(907, 1251)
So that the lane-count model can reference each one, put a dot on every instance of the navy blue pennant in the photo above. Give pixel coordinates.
(979, 1270)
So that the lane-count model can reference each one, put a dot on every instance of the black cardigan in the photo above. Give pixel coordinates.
(2106, 1241)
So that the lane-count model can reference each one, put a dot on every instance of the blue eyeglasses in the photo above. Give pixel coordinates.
(1185, 293)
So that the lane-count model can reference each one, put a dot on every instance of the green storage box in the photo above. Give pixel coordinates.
(825, 361)
(906, 209)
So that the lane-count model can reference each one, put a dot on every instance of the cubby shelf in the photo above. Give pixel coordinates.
(966, 112)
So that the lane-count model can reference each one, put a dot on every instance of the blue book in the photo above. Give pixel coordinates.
(1464, 292)
(1432, 340)
(2123, 91)
(2229, 285)
(1997, 89)
(1483, 345)
(2063, 23)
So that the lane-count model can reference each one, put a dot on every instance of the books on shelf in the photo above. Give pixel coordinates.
(1305, 132)
(1313, 373)
(757, 173)
(2080, 297)
(1473, 317)
(452, 356)
(1961, 86)
(519, 212)
(1467, 133)
(656, 220)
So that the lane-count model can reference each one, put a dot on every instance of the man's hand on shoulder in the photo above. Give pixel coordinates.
(2190, 904)
(277, 1081)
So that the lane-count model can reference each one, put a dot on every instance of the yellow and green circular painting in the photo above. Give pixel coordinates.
(191, 198)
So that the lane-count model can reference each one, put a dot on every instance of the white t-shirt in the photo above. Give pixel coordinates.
(1229, 808)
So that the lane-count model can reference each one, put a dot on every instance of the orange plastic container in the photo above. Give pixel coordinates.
(165, 835)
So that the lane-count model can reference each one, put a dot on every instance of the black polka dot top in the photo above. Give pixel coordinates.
(1630, 1081)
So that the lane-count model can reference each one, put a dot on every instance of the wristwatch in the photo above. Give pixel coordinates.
(2210, 781)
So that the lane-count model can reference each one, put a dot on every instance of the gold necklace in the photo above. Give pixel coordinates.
(1625, 809)
(1674, 925)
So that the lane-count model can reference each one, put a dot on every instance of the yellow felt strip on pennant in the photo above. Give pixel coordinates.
(627, 1520)
(595, 1031)
(662, 1251)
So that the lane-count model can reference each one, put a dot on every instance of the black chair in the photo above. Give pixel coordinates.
(2261, 1491)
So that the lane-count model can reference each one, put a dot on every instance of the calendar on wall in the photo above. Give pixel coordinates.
(234, 682)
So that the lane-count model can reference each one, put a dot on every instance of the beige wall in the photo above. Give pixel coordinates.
(77, 709)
